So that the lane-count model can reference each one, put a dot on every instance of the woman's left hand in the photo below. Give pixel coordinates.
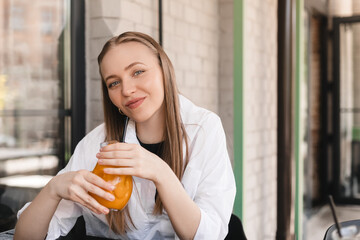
(131, 159)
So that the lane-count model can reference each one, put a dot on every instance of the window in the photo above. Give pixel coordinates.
(46, 21)
(36, 94)
(17, 18)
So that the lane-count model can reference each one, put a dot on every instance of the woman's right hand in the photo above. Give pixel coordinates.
(75, 186)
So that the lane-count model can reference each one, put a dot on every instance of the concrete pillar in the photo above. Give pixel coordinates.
(356, 7)
(341, 8)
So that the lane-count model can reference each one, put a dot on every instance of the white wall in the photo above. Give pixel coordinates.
(226, 70)
(341, 7)
(260, 118)
(191, 33)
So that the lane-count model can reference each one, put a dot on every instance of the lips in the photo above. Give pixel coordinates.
(134, 103)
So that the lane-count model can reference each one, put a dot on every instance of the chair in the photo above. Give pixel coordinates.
(332, 228)
(7, 218)
(236, 230)
(78, 232)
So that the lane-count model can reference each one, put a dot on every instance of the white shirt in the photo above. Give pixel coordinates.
(208, 180)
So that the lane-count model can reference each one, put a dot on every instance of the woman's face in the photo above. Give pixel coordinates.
(134, 80)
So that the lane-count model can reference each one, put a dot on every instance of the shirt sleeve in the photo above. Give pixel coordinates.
(64, 219)
(210, 170)
(84, 156)
(67, 212)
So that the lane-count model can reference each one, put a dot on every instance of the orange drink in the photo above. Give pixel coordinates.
(123, 187)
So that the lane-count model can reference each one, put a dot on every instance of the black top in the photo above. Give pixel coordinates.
(155, 148)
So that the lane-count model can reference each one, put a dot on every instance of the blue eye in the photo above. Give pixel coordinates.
(138, 72)
(113, 84)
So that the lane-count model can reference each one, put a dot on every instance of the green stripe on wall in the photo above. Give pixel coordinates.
(238, 106)
(299, 165)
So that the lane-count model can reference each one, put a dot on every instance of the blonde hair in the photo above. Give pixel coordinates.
(174, 130)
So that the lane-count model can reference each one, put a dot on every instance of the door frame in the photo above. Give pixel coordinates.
(334, 88)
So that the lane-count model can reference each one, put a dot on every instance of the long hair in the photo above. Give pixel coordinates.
(174, 130)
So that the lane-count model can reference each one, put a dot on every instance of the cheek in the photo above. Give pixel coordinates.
(114, 97)
(159, 86)
(158, 89)
(111, 96)
(154, 85)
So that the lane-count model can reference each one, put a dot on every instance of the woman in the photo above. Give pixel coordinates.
(183, 189)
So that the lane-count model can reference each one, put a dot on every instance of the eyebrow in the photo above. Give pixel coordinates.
(133, 64)
(109, 77)
(126, 68)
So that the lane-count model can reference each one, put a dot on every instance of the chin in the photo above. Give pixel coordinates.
(140, 118)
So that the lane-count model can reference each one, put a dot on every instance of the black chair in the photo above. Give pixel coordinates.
(332, 228)
(78, 232)
(236, 230)
(7, 218)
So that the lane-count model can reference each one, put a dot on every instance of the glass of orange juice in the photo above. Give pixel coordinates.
(123, 186)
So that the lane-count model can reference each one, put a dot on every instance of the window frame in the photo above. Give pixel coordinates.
(334, 89)
(78, 76)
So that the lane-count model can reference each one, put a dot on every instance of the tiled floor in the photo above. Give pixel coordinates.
(318, 223)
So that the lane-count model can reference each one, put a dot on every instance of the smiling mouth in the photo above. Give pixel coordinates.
(135, 103)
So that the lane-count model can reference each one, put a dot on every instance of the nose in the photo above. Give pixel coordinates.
(128, 87)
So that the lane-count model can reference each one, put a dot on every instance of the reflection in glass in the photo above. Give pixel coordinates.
(30, 55)
(34, 49)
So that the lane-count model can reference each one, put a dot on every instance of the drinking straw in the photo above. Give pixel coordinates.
(126, 121)
(332, 206)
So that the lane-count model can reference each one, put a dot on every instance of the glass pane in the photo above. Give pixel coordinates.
(350, 110)
(34, 53)
(33, 134)
(30, 61)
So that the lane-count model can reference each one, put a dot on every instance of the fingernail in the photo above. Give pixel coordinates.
(98, 155)
(105, 210)
(106, 170)
(100, 161)
(111, 197)
(112, 187)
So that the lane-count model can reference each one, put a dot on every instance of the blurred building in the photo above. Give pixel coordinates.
(226, 58)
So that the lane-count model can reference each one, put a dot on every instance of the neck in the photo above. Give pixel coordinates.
(152, 131)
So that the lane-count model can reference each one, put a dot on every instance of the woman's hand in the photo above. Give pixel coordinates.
(131, 159)
(75, 186)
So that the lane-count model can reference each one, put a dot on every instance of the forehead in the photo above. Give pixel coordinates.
(127, 53)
